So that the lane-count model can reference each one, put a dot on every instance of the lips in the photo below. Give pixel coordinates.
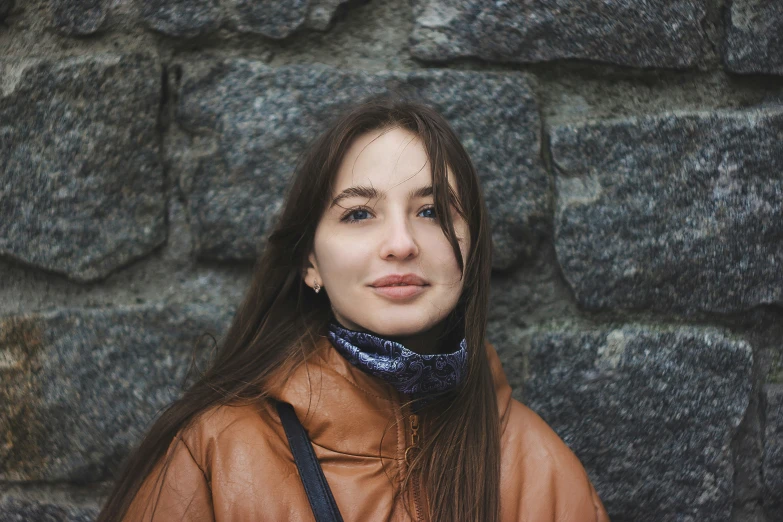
(399, 279)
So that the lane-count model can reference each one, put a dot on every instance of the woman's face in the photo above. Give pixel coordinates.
(363, 237)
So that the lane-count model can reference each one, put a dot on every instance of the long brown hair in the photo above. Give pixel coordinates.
(280, 318)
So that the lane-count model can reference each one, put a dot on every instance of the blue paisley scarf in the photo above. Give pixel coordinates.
(409, 372)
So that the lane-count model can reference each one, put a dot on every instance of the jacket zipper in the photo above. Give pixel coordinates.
(409, 456)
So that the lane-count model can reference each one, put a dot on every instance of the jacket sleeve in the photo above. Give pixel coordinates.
(600, 511)
(183, 493)
(541, 478)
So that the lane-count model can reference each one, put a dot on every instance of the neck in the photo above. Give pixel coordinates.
(429, 342)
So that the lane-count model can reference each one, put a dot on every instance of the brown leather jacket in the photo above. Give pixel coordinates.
(235, 464)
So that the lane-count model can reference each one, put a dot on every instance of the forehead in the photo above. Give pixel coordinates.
(389, 160)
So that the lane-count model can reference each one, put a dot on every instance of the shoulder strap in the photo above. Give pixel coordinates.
(315, 485)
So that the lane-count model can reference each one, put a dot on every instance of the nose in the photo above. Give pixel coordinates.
(398, 240)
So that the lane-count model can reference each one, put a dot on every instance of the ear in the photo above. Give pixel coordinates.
(311, 273)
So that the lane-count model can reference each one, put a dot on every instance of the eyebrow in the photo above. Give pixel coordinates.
(372, 193)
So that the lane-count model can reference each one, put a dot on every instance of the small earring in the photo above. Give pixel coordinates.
(317, 287)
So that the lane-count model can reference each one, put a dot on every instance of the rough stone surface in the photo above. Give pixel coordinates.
(79, 387)
(78, 17)
(639, 33)
(754, 37)
(773, 452)
(170, 275)
(270, 18)
(192, 18)
(16, 510)
(249, 122)
(675, 212)
(650, 413)
(81, 190)
(23, 505)
(5, 8)
(748, 450)
(321, 13)
(181, 18)
(522, 298)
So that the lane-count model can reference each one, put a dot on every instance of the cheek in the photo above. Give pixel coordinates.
(339, 258)
(463, 240)
(464, 247)
(442, 254)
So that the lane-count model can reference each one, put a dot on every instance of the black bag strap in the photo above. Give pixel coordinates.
(315, 485)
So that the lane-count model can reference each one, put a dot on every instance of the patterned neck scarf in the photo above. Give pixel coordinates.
(409, 372)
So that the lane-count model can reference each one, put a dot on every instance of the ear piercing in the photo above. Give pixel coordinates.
(317, 287)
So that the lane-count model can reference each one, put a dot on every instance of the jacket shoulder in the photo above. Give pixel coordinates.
(242, 451)
(223, 430)
(225, 454)
(541, 478)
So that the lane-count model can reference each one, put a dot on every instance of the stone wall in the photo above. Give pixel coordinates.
(631, 156)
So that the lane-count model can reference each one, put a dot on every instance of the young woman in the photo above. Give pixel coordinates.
(367, 313)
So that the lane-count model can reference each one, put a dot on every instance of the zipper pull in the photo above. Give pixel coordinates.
(409, 451)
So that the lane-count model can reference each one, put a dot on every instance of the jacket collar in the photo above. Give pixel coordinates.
(350, 412)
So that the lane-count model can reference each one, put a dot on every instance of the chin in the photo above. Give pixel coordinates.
(398, 327)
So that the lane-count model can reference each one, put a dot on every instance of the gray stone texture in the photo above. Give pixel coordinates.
(650, 413)
(748, 450)
(322, 12)
(773, 452)
(673, 212)
(16, 510)
(638, 33)
(5, 8)
(181, 18)
(192, 18)
(22, 505)
(270, 18)
(754, 37)
(519, 299)
(78, 17)
(82, 188)
(79, 387)
(249, 122)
